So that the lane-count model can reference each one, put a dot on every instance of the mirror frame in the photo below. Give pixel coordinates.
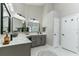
(9, 22)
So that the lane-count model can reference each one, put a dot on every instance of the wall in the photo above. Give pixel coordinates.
(46, 9)
(65, 9)
(48, 22)
(33, 11)
(28, 10)
(18, 8)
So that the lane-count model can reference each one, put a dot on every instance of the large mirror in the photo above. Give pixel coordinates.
(14, 23)
(34, 26)
(5, 19)
(17, 25)
(22, 26)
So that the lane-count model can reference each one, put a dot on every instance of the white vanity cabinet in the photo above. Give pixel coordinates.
(70, 33)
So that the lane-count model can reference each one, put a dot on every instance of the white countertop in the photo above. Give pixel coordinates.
(20, 39)
(35, 34)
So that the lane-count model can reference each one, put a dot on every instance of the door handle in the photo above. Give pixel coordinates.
(54, 34)
(62, 34)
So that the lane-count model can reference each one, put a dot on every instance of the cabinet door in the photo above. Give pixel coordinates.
(34, 41)
(43, 39)
(38, 40)
(34, 38)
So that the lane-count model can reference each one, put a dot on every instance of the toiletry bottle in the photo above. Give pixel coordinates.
(6, 40)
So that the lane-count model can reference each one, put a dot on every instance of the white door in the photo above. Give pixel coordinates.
(56, 32)
(69, 36)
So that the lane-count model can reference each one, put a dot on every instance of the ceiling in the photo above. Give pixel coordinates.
(37, 4)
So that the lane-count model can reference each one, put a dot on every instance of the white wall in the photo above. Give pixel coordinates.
(29, 10)
(48, 22)
(65, 9)
(18, 8)
(47, 9)
(33, 11)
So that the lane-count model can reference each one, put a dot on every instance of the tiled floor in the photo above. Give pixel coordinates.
(58, 51)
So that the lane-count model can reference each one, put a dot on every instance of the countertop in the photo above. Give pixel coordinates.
(20, 39)
(30, 34)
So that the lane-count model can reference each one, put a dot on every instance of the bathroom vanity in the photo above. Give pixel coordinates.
(19, 46)
(37, 39)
